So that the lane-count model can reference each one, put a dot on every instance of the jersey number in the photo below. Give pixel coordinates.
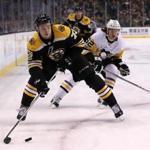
(74, 34)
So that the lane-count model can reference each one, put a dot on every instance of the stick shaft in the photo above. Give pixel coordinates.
(132, 83)
(34, 100)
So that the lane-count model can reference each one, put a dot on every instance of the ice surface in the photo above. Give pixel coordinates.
(78, 124)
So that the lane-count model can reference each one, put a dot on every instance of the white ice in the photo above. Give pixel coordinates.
(78, 124)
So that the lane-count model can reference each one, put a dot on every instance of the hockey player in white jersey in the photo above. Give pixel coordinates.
(107, 45)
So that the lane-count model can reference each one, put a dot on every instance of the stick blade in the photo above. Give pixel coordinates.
(7, 140)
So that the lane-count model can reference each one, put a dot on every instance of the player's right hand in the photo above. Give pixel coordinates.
(42, 87)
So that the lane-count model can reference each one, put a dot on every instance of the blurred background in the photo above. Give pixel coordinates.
(19, 15)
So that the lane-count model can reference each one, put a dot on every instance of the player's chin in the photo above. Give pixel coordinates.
(113, 38)
(46, 36)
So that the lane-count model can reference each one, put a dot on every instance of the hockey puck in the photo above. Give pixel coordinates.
(28, 139)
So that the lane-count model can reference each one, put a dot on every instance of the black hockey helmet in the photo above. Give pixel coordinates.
(41, 19)
(78, 8)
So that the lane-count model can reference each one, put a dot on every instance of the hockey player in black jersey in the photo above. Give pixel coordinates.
(81, 23)
(107, 46)
(53, 45)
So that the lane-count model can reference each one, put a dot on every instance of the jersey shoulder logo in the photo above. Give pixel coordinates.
(61, 28)
(32, 41)
(86, 19)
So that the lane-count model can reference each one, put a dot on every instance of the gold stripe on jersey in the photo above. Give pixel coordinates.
(34, 66)
(106, 95)
(102, 90)
(110, 82)
(120, 54)
(66, 86)
(29, 94)
(35, 43)
(81, 43)
(61, 32)
(31, 87)
(35, 63)
(31, 90)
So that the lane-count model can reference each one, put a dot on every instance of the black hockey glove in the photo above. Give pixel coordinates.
(124, 69)
(42, 87)
(98, 66)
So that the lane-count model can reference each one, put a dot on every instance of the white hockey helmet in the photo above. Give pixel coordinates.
(113, 24)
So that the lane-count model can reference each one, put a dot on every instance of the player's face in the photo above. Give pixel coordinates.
(112, 34)
(78, 15)
(45, 30)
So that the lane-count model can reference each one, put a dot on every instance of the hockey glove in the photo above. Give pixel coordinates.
(124, 69)
(98, 67)
(42, 87)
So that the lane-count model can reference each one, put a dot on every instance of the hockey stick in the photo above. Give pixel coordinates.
(7, 139)
(134, 84)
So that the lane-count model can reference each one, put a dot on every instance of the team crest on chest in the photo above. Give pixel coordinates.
(56, 54)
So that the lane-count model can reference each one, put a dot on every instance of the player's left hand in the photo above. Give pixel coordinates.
(42, 87)
(98, 65)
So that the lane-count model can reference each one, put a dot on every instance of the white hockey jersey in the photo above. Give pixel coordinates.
(98, 41)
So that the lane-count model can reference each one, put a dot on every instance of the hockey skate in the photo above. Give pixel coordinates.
(55, 102)
(118, 112)
(101, 104)
(22, 113)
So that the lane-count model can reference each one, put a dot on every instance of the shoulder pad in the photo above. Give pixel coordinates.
(61, 32)
(85, 20)
(35, 43)
(71, 17)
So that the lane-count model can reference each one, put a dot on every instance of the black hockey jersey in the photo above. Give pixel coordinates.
(64, 43)
(82, 26)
